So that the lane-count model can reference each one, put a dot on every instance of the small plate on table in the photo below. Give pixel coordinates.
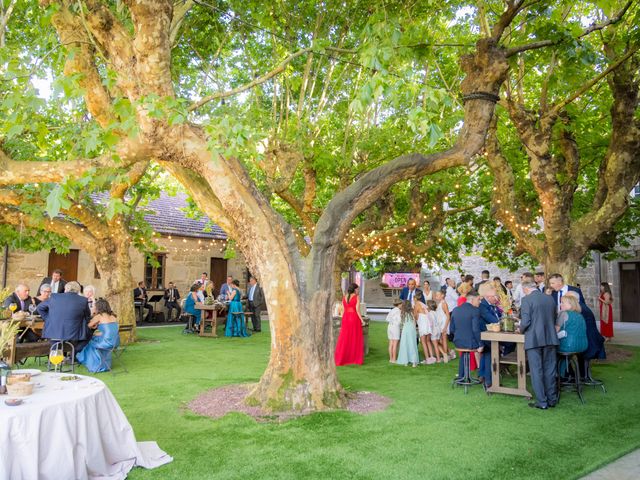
(32, 371)
(13, 402)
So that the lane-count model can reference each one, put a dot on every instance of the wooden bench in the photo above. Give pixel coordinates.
(21, 351)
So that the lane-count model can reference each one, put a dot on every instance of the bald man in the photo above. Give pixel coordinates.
(21, 298)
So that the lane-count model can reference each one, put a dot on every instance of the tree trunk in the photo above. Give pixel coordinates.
(567, 267)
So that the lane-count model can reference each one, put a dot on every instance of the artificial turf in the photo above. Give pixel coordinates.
(430, 430)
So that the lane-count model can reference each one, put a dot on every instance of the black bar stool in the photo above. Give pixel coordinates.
(466, 380)
(570, 382)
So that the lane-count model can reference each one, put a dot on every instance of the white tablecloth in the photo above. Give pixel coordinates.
(70, 430)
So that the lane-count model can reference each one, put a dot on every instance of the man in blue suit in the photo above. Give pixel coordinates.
(66, 316)
(488, 314)
(409, 292)
(465, 326)
(595, 341)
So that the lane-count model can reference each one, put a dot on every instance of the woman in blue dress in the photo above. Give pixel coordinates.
(96, 355)
(190, 305)
(236, 326)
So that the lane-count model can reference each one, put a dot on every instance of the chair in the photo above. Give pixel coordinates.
(466, 380)
(572, 382)
(190, 319)
(66, 347)
(116, 352)
(588, 379)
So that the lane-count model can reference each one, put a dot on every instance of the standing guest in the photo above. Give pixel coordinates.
(141, 298)
(469, 279)
(20, 297)
(498, 283)
(519, 294)
(538, 316)
(350, 344)
(462, 276)
(45, 293)
(56, 281)
(236, 326)
(427, 293)
(89, 292)
(204, 281)
(410, 291)
(606, 311)
(190, 304)
(463, 290)
(66, 316)
(425, 328)
(257, 303)
(408, 349)
(484, 278)
(394, 319)
(436, 332)
(508, 285)
(171, 297)
(539, 279)
(451, 297)
(488, 314)
(226, 288)
(444, 318)
(96, 356)
(465, 327)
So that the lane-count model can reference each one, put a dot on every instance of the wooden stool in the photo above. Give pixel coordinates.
(466, 380)
(569, 359)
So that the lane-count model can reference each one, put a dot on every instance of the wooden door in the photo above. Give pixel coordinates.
(218, 273)
(629, 291)
(67, 262)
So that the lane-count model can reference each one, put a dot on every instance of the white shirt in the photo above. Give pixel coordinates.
(451, 297)
(518, 295)
(200, 295)
(394, 316)
(251, 290)
(561, 293)
(54, 287)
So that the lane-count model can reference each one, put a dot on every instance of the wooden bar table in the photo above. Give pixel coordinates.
(203, 318)
(520, 361)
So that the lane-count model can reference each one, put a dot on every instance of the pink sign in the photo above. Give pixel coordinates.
(399, 280)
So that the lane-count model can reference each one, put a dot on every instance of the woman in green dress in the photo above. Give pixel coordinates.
(408, 348)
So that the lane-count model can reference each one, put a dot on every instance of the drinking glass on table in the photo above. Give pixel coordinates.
(56, 355)
(32, 309)
(13, 306)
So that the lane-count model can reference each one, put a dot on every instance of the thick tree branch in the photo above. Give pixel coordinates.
(258, 81)
(180, 10)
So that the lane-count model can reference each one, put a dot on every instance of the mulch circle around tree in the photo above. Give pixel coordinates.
(616, 354)
(218, 402)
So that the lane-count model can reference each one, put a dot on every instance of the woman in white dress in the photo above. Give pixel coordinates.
(425, 328)
(444, 317)
(436, 332)
(394, 318)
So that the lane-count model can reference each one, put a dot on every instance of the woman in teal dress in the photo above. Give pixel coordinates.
(408, 349)
(96, 355)
(236, 326)
(571, 328)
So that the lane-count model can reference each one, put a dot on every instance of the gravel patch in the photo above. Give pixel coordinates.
(218, 402)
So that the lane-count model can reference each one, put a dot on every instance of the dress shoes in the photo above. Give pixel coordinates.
(535, 405)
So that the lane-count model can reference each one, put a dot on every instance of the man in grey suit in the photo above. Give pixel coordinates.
(538, 318)
(255, 295)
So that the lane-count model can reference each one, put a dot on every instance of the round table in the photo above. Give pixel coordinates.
(70, 429)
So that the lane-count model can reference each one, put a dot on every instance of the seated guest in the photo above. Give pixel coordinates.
(66, 316)
(226, 288)
(200, 293)
(89, 293)
(56, 281)
(141, 299)
(171, 297)
(96, 356)
(45, 293)
(190, 303)
(571, 327)
(20, 297)
(488, 314)
(465, 327)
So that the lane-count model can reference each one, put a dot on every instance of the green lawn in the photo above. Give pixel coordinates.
(430, 430)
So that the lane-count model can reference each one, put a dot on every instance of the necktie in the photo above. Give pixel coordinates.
(22, 305)
(559, 299)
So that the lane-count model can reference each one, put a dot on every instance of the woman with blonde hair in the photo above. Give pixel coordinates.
(571, 326)
(463, 290)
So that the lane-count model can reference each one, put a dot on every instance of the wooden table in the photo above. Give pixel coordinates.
(203, 318)
(520, 361)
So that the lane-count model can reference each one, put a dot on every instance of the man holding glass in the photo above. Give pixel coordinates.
(19, 301)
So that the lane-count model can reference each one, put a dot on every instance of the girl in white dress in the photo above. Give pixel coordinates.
(436, 332)
(444, 317)
(393, 330)
(425, 328)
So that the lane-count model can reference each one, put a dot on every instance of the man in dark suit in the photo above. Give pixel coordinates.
(66, 316)
(484, 279)
(56, 282)
(409, 292)
(538, 318)
(140, 299)
(21, 298)
(539, 279)
(171, 297)
(595, 341)
(257, 303)
(465, 326)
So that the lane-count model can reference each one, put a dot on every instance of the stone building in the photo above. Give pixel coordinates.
(188, 247)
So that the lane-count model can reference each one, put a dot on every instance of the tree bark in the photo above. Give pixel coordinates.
(566, 266)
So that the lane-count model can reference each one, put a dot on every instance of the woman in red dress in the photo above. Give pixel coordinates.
(606, 311)
(350, 346)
